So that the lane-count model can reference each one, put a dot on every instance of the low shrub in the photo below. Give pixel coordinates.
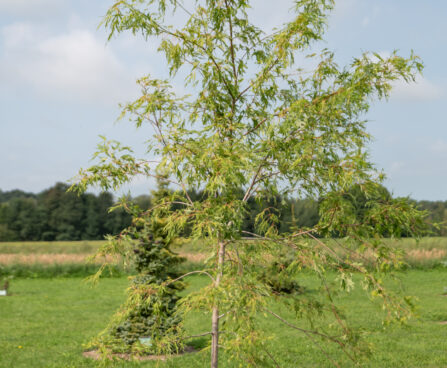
(279, 279)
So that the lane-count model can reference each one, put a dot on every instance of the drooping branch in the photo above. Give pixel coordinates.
(192, 273)
(157, 125)
(271, 357)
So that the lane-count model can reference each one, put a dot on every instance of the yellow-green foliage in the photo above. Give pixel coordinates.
(254, 126)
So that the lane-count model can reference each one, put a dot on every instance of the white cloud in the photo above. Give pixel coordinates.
(439, 146)
(364, 12)
(420, 90)
(271, 14)
(70, 65)
(33, 8)
(365, 21)
(18, 34)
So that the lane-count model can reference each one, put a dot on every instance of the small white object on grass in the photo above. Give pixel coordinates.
(145, 341)
(3, 293)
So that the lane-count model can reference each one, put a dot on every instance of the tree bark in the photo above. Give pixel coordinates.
(215, 316)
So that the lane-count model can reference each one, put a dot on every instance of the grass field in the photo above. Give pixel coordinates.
(67, 259)
(48, 259)
(45, 322)
(63, 259)
(56, 247)
(90, 246)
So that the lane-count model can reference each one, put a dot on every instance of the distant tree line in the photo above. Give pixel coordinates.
(436, 216)
(56, 214)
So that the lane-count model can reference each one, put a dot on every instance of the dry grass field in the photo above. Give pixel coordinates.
(424, 253)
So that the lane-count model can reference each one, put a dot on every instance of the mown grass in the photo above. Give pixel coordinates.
(45, 322)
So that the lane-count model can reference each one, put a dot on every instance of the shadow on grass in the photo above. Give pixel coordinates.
(198, 343)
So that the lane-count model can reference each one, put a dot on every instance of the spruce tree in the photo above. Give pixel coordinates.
(148, 321)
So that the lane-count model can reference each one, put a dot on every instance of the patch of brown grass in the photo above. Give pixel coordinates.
(44, 259)
(194, 257)
(55, 258)
(420, 255)
(426, 254)
(413, 255)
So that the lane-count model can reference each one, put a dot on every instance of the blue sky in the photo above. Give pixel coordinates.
(61, 82)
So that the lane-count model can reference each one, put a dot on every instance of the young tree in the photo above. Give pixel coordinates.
(149, 311)
(253, 120)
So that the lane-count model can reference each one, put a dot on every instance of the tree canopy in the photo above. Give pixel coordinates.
(254, 125)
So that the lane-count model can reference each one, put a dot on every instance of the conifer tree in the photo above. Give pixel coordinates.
(148, 321)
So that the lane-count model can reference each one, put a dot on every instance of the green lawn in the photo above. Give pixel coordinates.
(45, 322)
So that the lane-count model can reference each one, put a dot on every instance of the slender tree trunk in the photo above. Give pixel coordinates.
(215, 317)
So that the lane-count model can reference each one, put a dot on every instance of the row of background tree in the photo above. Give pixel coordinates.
(56, 214)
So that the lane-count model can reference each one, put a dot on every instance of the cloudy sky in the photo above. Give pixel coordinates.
(61, 82)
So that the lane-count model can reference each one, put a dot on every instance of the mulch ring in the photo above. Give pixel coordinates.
(96, 355)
